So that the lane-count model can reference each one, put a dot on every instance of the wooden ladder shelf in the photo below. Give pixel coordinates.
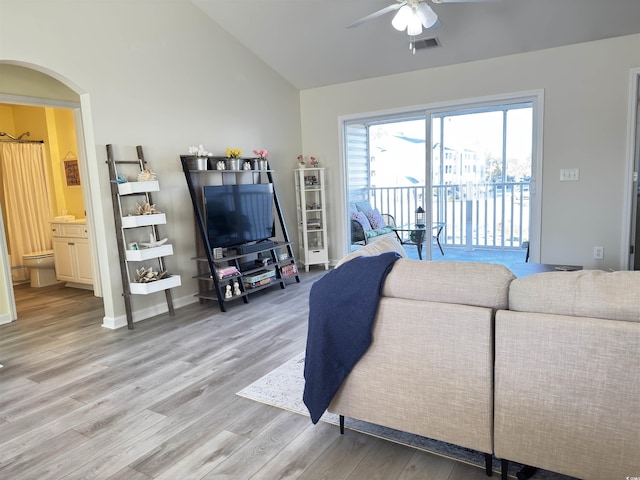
(130, 252)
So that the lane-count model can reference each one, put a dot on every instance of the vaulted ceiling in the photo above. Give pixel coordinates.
(307, 42)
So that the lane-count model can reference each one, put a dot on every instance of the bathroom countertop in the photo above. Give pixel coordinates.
(78, 220)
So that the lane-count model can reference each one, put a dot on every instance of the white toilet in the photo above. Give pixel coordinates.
(41, 268)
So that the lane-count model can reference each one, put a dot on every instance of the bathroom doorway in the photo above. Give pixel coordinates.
(39, 180)
(34, 86)
(55, 128)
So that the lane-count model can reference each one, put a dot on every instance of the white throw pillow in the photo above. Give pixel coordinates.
(375, 219)
(361, 218)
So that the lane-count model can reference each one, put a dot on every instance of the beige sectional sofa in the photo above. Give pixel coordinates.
(567, 374)
(566, 362)
(429, 369)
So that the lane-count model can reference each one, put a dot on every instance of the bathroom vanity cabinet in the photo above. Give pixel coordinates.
(71, 254)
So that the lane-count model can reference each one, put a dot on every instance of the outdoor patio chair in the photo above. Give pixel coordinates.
(362, 232)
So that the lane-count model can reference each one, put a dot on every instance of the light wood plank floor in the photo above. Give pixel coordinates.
(79, 401)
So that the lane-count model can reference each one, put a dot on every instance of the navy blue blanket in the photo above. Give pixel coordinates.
(342, 307)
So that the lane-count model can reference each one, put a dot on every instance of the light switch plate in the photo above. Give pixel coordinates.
(569, 174)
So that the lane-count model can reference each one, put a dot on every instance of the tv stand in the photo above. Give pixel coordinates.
(254, 247)
(248, 276)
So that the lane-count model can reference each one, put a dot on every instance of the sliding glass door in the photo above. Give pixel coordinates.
(474, 176)
(481, 175)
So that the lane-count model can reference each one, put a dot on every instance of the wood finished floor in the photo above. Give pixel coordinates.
(78, 401)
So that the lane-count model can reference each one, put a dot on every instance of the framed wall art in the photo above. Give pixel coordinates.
(72, 173)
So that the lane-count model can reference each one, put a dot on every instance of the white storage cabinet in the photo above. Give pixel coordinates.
(312, 217)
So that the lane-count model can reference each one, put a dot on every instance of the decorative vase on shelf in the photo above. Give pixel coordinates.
(233, 164)
(200, 163)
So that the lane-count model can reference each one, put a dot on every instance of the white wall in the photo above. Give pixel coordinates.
(585, 126)
(162, 75)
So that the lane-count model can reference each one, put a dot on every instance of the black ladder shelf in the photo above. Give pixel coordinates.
(280, 252)
(131, 223)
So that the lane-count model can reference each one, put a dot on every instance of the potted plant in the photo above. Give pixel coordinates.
(234, 154)
(201, 157)
(261, 162)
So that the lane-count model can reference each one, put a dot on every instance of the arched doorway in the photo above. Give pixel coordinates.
(24, 84)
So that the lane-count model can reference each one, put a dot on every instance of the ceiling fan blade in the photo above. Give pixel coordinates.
(377, 14)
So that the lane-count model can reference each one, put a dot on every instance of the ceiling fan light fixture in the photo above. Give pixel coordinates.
(402, 17)
(415, 26)
(427, 16)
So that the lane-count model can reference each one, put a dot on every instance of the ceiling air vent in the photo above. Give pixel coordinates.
(426, 43)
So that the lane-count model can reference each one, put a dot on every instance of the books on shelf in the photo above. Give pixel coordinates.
(224, 272)
(258, 276)
(289, 270)
(259, 283)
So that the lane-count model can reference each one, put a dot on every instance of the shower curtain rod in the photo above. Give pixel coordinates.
(19, 138)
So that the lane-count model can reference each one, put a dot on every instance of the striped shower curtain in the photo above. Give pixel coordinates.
(26, 202)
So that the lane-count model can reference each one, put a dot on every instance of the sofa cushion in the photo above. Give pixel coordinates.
(584, 293)
(467, 283)
(375, 219)
(388, 244)
(378, 231)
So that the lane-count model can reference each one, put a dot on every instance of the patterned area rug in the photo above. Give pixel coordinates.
(283, 388)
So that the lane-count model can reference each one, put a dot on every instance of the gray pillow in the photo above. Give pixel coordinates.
(363, 207)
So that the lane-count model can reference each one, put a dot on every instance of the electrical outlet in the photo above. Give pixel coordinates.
(598, 253)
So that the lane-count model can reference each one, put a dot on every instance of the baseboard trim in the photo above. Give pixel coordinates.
(113, 323)
(5, 318)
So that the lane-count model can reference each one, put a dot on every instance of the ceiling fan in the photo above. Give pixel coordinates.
(411, 16)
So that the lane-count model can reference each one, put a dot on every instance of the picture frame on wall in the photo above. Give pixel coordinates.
(72, 173)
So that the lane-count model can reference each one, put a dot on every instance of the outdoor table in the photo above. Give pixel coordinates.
(417, 235)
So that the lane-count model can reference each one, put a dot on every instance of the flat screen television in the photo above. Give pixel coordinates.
(238, 214)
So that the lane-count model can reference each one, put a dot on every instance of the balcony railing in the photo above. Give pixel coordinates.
(478, 215)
